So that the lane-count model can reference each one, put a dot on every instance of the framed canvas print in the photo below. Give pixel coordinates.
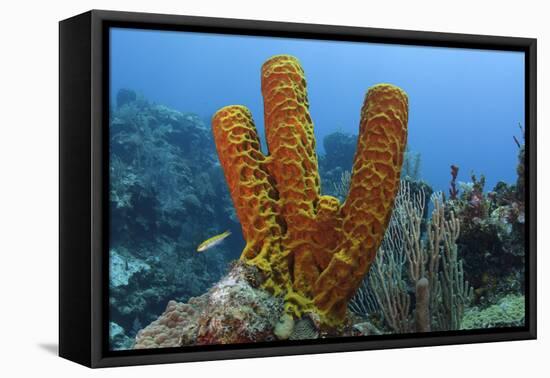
(233, 188)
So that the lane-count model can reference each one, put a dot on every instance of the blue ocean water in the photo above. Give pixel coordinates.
(465, 105)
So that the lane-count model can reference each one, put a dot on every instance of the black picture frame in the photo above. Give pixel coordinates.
(83, 181)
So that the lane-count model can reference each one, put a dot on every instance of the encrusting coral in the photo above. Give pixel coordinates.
(168, 329)
(312, 249)
(232, 311)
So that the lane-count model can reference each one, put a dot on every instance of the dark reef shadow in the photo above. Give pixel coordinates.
(51, 348)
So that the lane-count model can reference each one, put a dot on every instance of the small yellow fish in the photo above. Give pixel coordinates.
(213, 241)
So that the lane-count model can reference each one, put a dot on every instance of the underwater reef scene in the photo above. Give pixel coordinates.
(216, 240)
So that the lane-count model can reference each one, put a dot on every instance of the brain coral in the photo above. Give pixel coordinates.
(313, 250)
(168, 329)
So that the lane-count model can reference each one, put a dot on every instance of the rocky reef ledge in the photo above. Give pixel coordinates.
(236, 310)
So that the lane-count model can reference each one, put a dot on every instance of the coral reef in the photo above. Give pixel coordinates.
(332, 245)
(297, 250)
(162, 167)
(121, 269)
(167, 194)
(508, 312)
(339, 149)
(312, 249)
(520, 168)
(412, 261)
(118, 339)
(337, 160)
(487, 231)
(178, 321)
(492, 239)
(233, 311)
(237, 312)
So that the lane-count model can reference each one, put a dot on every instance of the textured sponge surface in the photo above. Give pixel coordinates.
(313, 250)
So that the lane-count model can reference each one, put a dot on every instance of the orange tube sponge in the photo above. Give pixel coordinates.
(367, 209)
(252, 190)
(293, 160)
(311, 248)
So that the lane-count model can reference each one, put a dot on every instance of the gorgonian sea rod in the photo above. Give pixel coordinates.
(312, 249)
